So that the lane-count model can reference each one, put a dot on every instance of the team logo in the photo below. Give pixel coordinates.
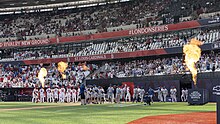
(195, 95)
(216, 90)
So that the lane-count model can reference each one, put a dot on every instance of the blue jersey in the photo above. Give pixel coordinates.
(151, 91)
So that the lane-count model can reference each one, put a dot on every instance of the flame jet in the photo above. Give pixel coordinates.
(192, 53)
(61, 68)
(41, 75)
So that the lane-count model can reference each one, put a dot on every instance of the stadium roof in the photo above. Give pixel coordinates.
(18, 5)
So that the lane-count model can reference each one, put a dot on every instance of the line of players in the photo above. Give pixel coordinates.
(95, 95)
(162, 94)
(55, 95)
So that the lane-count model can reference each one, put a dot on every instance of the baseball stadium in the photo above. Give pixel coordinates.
(109, 62)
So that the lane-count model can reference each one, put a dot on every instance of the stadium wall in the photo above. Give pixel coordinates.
(205, 80)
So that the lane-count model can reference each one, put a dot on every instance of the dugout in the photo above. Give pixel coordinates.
(206, 80)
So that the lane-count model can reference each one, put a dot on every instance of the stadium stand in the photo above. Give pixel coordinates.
(38, 25)
(130, 44)
(161, 66)
(26, 76)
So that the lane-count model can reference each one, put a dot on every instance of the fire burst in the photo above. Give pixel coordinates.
(61, 68)
(192, 53)
(41, 75)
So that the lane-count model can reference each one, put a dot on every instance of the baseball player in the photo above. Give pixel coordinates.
(62, 95)
(49, 97)
(151, 94)
(165, 93)
(35, 95)
(174, 95)
(68, 95)
(135, 95)
(186, 94)
(183, 95)
(55, 95)
(128, 94)
(100, 95)
(111, 94)
(142, 92)
(42, 95)
(74, 95)
(123, 92)
(118, 94)
(160, 95)
(78, 94)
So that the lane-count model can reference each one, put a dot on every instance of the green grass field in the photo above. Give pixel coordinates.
(14, 113)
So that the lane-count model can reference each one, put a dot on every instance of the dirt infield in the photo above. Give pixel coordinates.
(187, 118)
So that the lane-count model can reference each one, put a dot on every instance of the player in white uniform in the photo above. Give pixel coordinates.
(128, 94)
(68, 95)
(49, 97)
(95, 94)
(186, 94)
(35, 95)
(78, 94)
(73, 95)
(42, 95)
(56, 94)
(142, 92)
(183, 98)
(174, 95)
(160, 95)
(111, 94)
(165, 94)
(62, 95)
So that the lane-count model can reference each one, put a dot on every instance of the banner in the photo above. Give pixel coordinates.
(25, 43)
(104, 35)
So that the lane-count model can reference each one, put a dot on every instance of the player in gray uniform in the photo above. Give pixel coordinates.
(165, 93)
(123, 92)
(142, 92)
(135, 95)
(118, 94)
(102, 95)
(111, 94)
(160, 95)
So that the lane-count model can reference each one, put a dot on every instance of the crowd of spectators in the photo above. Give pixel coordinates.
(99, 17)
(26, 76)
(160, 66)
(129, 44)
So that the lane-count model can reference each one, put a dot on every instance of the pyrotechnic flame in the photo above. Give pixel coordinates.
(41, 75)
(61, 68)
(192, 53)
